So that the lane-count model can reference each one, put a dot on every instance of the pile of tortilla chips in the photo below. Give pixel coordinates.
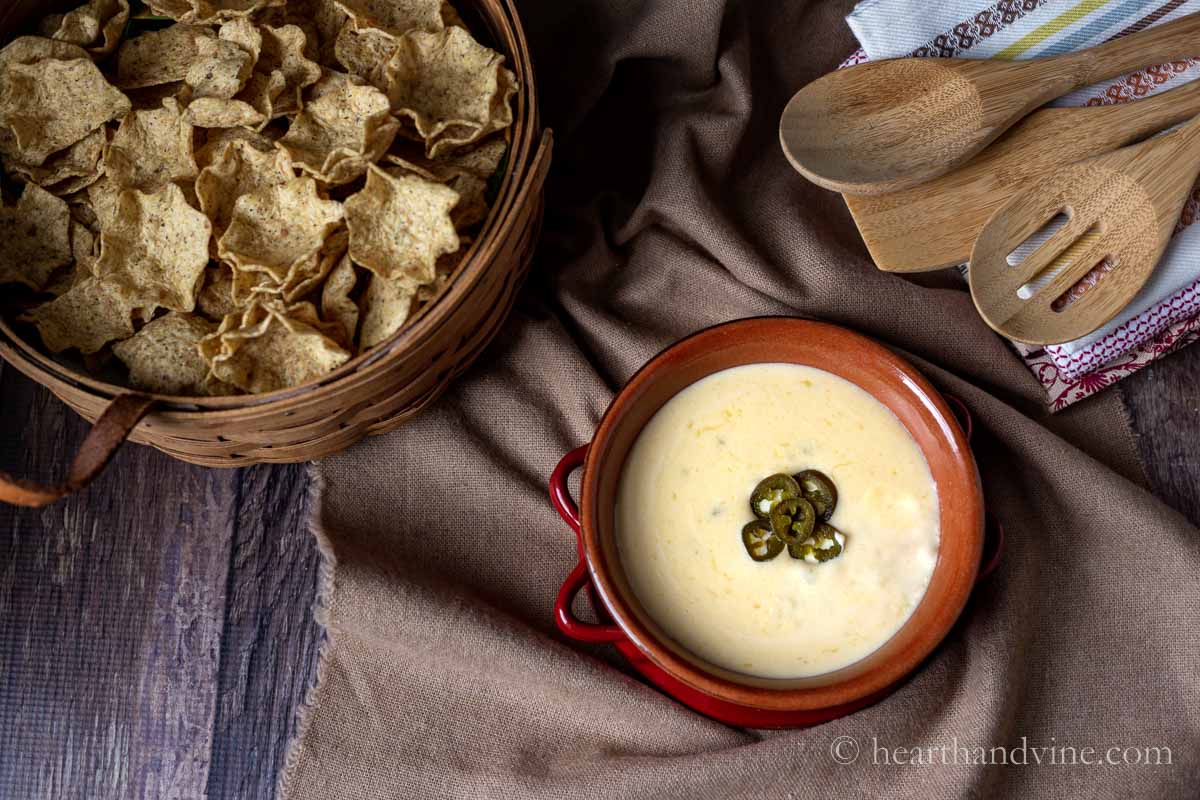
(225, 196)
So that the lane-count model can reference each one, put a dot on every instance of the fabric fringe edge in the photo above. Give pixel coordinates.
(322, 612)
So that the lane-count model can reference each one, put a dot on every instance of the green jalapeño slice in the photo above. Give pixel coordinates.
(818, 489)
(761, 542)
(824, 545)
(793, 520)
(770, 492)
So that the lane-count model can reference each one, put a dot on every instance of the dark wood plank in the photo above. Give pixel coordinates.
(1164, 402)
(156, 632)
(111, 609)
(269, 645)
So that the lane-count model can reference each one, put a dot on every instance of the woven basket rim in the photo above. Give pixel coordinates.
(525, 143)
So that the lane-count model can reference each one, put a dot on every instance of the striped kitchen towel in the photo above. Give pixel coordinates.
(1165, 315)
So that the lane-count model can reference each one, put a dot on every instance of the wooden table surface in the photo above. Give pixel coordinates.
(180, 640)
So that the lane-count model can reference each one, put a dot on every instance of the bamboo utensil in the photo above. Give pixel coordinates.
(1121, 208)
(888, 125)
(933, 225)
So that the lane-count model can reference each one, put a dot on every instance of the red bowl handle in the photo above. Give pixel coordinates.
(571, 625)
(560, 495)
(560, 498)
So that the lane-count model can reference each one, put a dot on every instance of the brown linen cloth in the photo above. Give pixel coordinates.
(672, 208)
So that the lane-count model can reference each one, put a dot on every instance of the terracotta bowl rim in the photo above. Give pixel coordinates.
(821, 691)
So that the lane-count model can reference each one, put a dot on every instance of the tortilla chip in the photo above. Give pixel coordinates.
(156, 247)
(472, 191)
(152, 98)
(163, 357)
(322, 20)
(158, 57)
(241, 169)
(32, 49)
(214, 147)
(50, 105)
(36, 237)
(209, 11)
(341, 133)
(337, 307)
(65, 279)
(472, 208)
(271, 346)
(402, 167)
(455, 90)
(98, 25)
(215, 300)
(206, 12)
(221, 69)
(103, 196)
(482, 161)
(82, 211)
(177, 10)
(302, 283)
(71, 186)
(465, 171)
(261, 92)
(152, 148)
(332, 80)
(286, 67)
(247, 286)
(212, 112)
(365, 54)
(246, 35)
(66, 171)
(274, 228)
(395, 17)
(386, 306)
(446, 267)
(304, 276)
(399, 227)
(85, 248)
(91, 314)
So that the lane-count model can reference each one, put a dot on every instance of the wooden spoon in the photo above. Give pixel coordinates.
(933, 225)
(888, 125)
(1121, 208)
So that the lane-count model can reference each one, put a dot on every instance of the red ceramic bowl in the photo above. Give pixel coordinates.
(732, 697)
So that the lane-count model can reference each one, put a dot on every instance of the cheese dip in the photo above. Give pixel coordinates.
(683, 499)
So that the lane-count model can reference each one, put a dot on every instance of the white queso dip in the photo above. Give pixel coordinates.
(683, 500)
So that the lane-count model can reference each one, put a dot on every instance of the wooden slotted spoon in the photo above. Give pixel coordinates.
(887, 125)
(1121, 208)
(934, 225)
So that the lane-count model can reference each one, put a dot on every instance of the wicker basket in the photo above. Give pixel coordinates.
(372, 394)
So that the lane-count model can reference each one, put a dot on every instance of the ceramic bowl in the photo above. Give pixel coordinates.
(733, 697)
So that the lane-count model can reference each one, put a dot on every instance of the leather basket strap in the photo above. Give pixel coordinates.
(102, 442)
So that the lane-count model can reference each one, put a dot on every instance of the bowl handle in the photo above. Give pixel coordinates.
(560, 495)
(570, 624)
(560, 498)
(106, 436)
